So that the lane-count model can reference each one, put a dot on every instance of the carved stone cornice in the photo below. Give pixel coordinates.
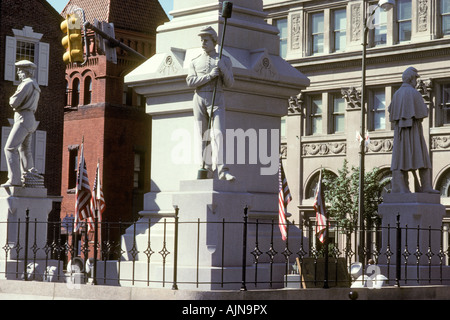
(352, 96)
(380, 145)
(425, 87)
(296, 105)
(324, 149)
(440, 143)
(283, 150)
(422, 24)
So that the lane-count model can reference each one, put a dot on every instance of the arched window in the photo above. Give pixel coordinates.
(75, 92)
(312, 184)
(67, 101)
(443, 184)
(87, 90)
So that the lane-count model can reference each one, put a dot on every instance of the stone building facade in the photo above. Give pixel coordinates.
(323, 40)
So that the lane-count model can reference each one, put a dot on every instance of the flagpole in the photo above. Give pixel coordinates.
(327, 238)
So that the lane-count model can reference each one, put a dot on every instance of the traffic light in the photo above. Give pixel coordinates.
(73, 41)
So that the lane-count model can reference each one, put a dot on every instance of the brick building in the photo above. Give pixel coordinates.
(110, 117)
(30, 30)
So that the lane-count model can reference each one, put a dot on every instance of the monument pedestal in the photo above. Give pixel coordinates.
(14, 204)
(420, 220)
(210, 238)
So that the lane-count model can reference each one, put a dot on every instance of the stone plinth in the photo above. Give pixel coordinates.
(421, 217)
(14, 203)
(210, 237)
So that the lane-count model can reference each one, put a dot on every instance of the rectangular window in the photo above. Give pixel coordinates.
(26, 45)
(317, 33)
(282, 25)
(138, 178)
(445, 16)
(73, 167)
(25, 51)
(379, 110)
(445, 103)
(340, 27)
(380, 28)
(404, 16)
(338, 114)
(316, 115)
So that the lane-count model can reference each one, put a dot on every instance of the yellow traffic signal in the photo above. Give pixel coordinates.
(73, 41)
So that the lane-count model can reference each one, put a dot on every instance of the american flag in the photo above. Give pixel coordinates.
(83, 193)
(97, 198)
(319, 208)
(284, 197)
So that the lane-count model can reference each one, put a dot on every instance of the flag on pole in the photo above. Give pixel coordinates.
(83, 193)
(97, 199)
(319, 208)
(284, 197)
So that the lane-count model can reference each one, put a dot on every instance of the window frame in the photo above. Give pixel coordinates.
(441, 19)
(283, 40)
(340, 31)
(401, 21)
(313, 34)
(41, 55)
(313, 115)
(334, 114)
(373, 111)
(442, 108)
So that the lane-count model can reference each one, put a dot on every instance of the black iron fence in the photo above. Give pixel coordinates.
(248, 254)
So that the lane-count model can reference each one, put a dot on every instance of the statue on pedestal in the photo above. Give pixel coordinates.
(407, 111)
(206, 73)
(18, 152)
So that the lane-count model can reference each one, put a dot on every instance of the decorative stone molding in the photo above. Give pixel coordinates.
(283, 150)
(352, 96)
(168, 66)
(356, 22)
(296, 105)
(295, 31)
(425, 87)
(380, 145)
(440, 143)
(324, 149)
(422, 16)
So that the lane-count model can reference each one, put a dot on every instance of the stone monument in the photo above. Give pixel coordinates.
(24, 191)
(263, 82)
(421, 209)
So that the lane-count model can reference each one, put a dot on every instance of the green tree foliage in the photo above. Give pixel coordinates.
(341, 196)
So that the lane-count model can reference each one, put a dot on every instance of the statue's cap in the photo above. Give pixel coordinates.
(409, 73)
(25, 64)
(208, 31)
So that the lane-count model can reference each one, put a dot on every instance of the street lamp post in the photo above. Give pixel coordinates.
(386, 5)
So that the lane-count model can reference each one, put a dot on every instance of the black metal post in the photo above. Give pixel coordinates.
(25, 262)
(327, 237)
(94, 273)
(398, 253)
(244, 250)
(175, 251)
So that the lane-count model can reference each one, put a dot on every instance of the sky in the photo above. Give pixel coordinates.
(60, 4)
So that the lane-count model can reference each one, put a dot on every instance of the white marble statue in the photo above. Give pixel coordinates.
(407, 111)
(204, 71)
(24, 102)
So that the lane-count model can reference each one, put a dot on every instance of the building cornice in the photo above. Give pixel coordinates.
(377, 55)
